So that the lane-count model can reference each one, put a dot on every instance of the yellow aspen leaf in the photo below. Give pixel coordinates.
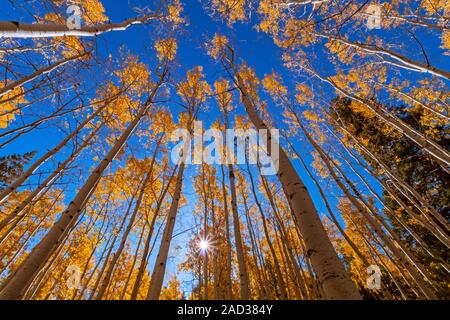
(217, 45)
(166, 49)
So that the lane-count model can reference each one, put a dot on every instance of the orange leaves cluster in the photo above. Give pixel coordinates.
(223, 95)
(166, 49)
(304, 95)
(217, 45)
(231, 10)
(172, 290)
(251, 81)
(272, 83)
(194, 89)
(175, 9)
(344, 52)
(297, 33)
(9, 108)
(134, 75)
(270, 17)
(445, 38)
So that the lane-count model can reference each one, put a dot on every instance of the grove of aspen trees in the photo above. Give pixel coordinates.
(347, 101)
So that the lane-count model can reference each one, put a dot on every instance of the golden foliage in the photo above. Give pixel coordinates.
(10, 108)
(231, 10)
(217, 45)
(166, 49)
(194, 88)
(272, 83)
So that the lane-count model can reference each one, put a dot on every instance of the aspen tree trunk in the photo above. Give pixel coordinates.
(109, 272)
(88, 281)
(432, 227)
(228, 288)
(25, 273)
(13, 85)
(216, 266)
(104, 266)
(12, 29)
(397, 285)
(400, 183)
(47, 268)
(159, 269)
(330, 211)
(266, 233)
(409, 284)
(329, 269)
(398, 218)
(314, 288)
(45, 184)
(243, 272)
(278, 218)
(377, 223)
(400, 254)
(100, 238)
(27, 173)
(113, 243)
(405, 62)
(285, 239)
(130, 273)
(430, 146)
(31, 232)
(144, 259)
(300, 285)
(414, 100)
(257, 256)
(289, 273)
(244, 282)
(205, 236)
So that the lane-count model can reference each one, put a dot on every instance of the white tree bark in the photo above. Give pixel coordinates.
(19, 281)
(12, 29)
(330, 271)
(16, 84)
(159, 269)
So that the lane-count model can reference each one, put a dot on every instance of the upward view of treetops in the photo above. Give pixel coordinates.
(224, 149)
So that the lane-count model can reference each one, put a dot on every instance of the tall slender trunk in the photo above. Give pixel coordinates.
(243, 273)
(27, 173)
(228, 270)
(428, 145)
(143, 263)
(22, 30)
(281, 283)
(159, 269)
(400, 184)
(109, 272)
(330, 211)
(428, 224)
(16, 84)
(329, 269)
(45, 184)
(401, 254)
(405, 62)
(22, 277)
